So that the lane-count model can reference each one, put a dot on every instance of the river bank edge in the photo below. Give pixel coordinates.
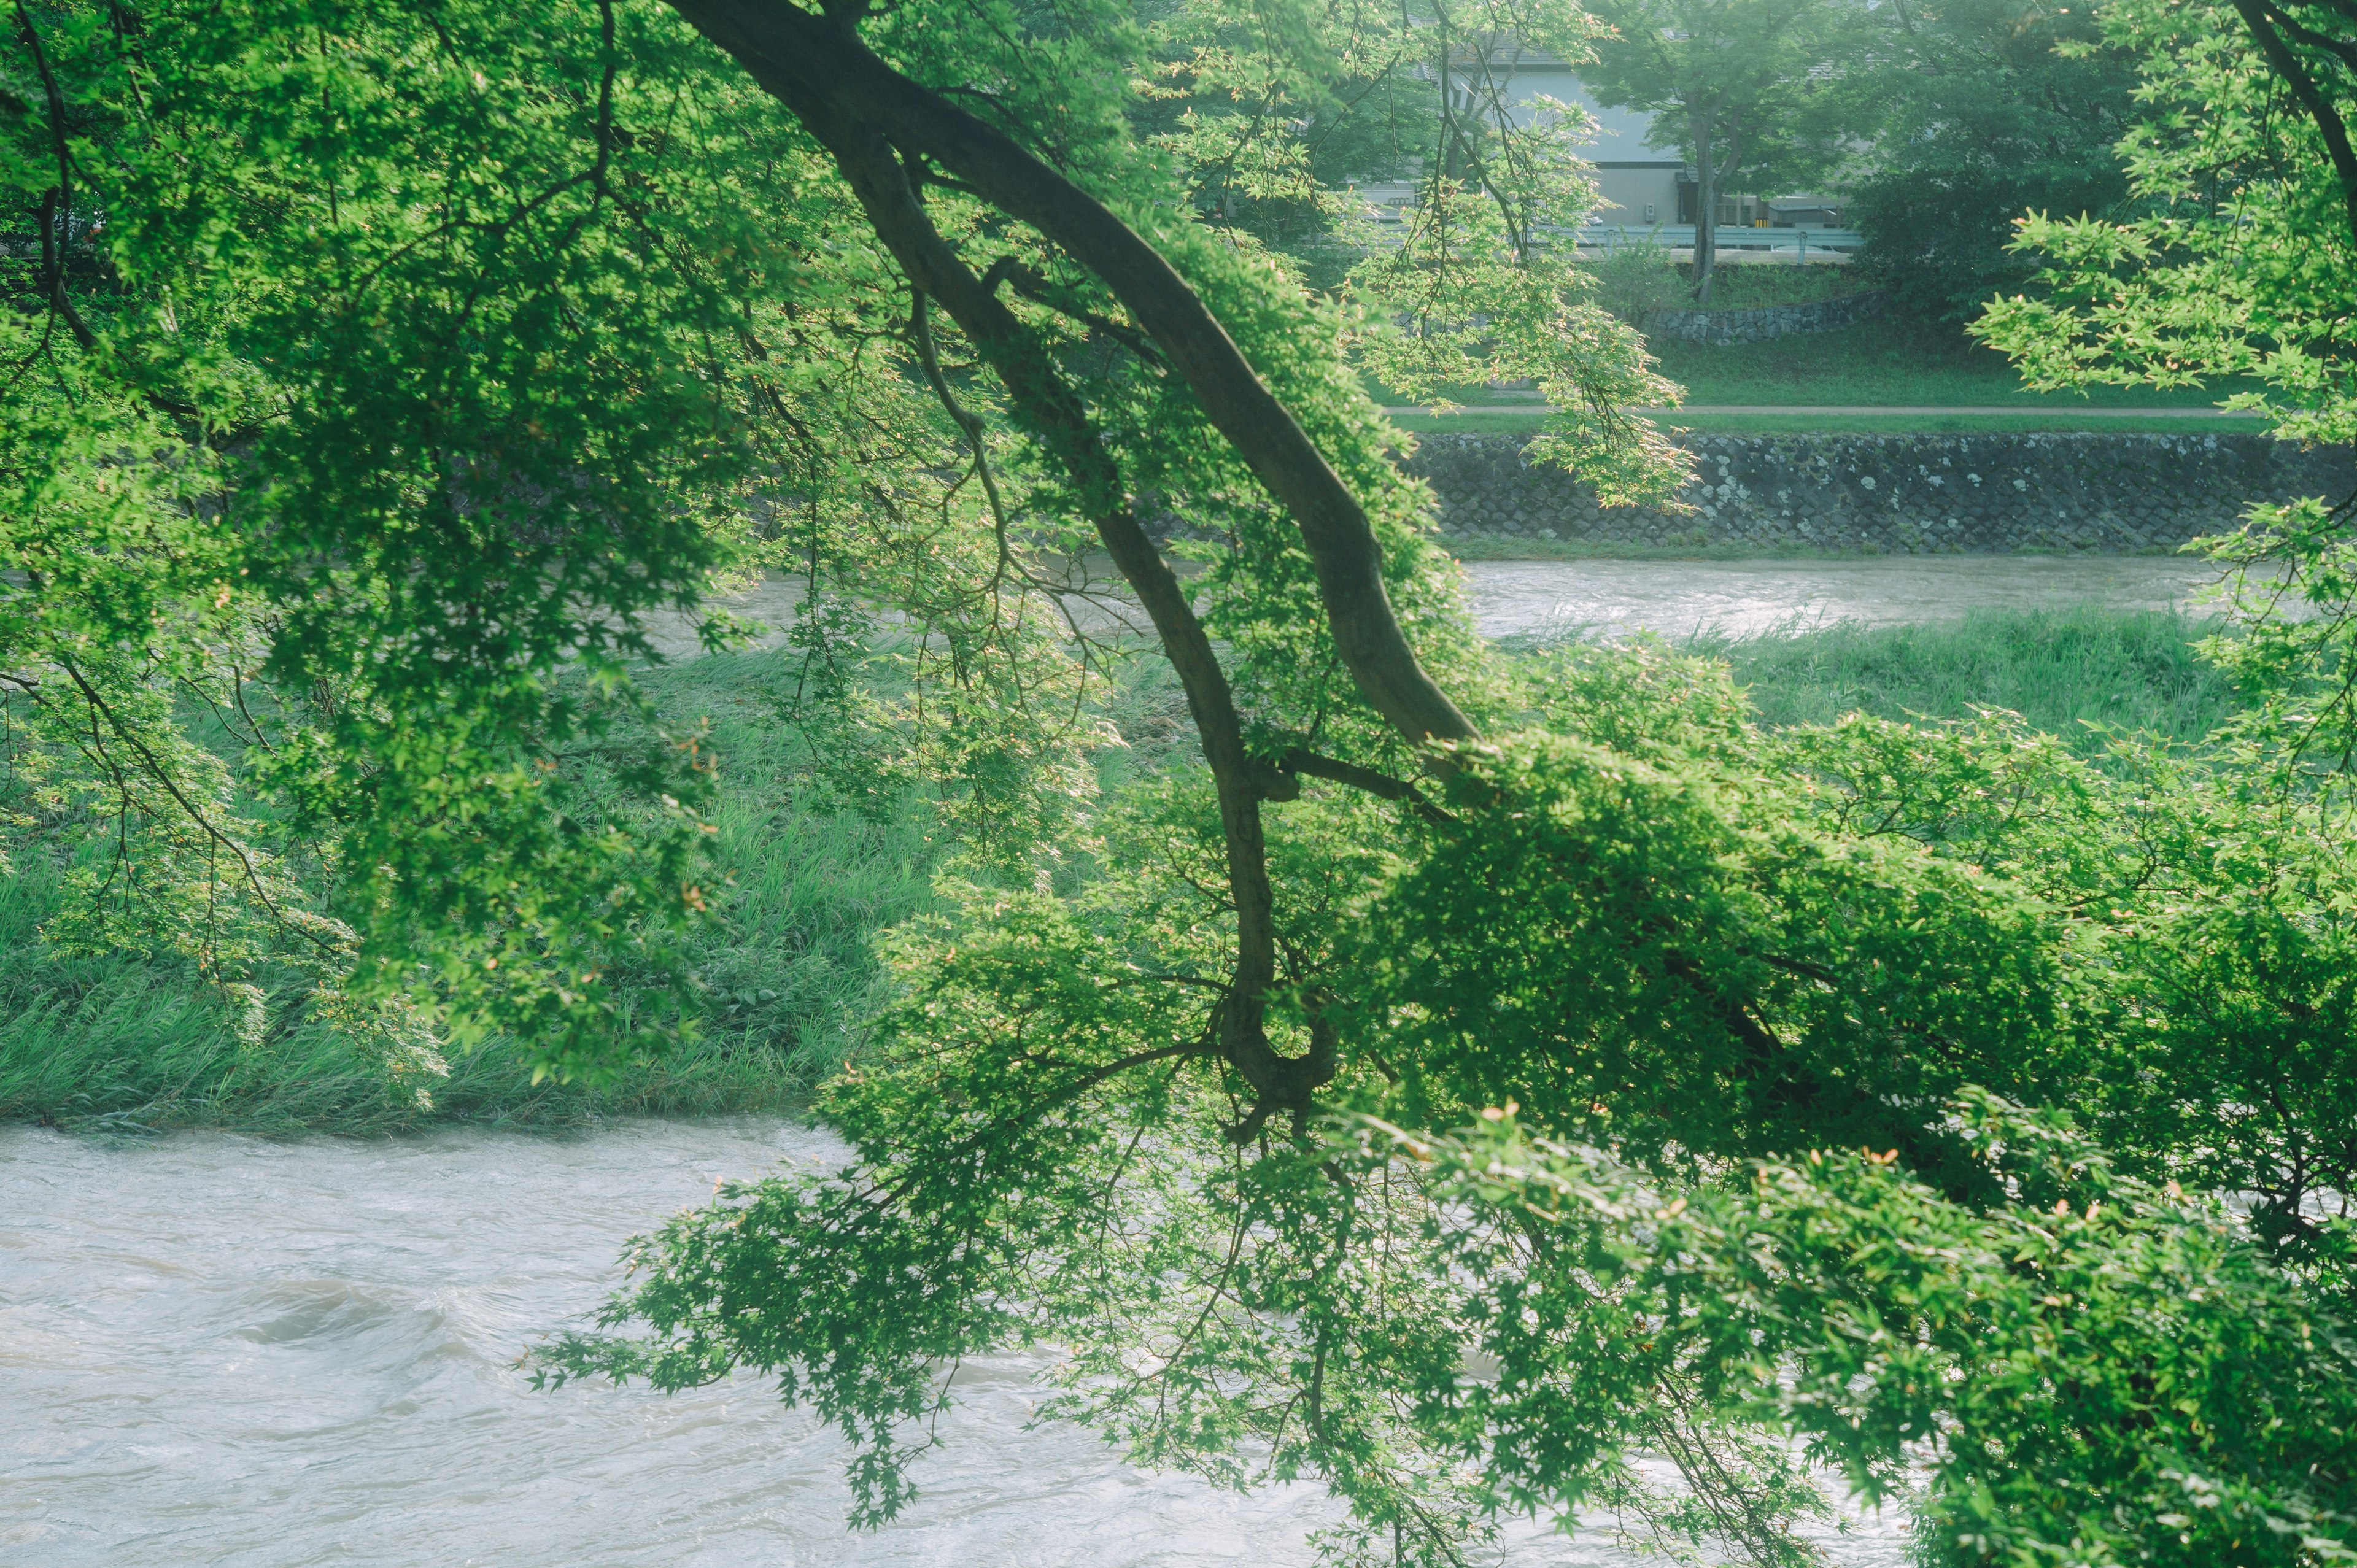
(129, 1047)
(1887, 495)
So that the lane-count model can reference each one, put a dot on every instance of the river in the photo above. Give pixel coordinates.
(1678, 598)
(1743, 598)
(237, 1353)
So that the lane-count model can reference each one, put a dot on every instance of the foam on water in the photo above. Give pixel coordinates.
(1678, 598)
(222, 1351)
(1744, 599)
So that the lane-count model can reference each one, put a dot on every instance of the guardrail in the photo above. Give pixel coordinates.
(1390, 222)
(1681, 237)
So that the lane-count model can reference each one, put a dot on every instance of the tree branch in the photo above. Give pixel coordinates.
(1048, 405)
(819, 70)
(2303, 88)
(1382, 784)
(57, 205)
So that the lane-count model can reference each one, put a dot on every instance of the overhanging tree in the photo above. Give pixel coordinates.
(503, 328)
(1628, 942)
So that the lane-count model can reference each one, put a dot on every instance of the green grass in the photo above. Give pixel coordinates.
(121, 1041)
(2063, 420)
(124, 1043)
(1527, 422)
(1886, 360)
(2063, 671)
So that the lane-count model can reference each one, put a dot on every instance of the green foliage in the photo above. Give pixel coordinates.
(785, 969)
(1994, 109)
(1634, 281)
(1686, 940)
(2094, 1370)
(1754, 93)
(2062, 670)
(1271, 115)
(2242, 266)
(381, 373)
(357, 374)
(1695, 970)
(2209, 930)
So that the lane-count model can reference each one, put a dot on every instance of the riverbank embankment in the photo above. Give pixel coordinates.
(1890, 495)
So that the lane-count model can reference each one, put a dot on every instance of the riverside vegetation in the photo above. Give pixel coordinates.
(808, 883)
(1457, 1076)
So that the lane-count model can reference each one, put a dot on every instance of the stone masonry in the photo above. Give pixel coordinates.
(1897, 494)
(1763, 322)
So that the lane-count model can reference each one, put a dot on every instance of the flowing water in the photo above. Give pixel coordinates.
(1677, 598)
(1740, 598)
(222, 1351)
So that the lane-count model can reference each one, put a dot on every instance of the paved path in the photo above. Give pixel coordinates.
(1855, 411)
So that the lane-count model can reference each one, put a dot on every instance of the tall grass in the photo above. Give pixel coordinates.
(144, 1043)
(2064, 671)
(133, 1043)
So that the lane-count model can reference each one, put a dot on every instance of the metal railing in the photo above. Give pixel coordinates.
(1681, 237)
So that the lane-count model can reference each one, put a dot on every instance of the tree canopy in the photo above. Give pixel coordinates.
(1751, 93)
(1988, 109)
(1480, 1070)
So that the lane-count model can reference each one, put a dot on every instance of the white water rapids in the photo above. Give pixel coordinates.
(221, 1351)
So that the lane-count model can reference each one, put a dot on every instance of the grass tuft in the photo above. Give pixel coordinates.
(2063, 670)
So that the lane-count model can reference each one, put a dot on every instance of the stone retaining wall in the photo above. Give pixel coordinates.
(1764, 321)
(1898, 494)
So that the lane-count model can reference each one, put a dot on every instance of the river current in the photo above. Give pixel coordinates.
(1678, 599)
(223, 1351)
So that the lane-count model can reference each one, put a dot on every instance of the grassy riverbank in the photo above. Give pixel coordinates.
(132, 1044)
(1527, 421)
(2070, 672)
(142, 1044)
(1885, 361)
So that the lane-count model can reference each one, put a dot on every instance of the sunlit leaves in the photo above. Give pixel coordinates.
(2096, 1371)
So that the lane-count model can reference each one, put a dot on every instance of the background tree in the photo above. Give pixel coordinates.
(1752, 93)
(1461, 287)
(1985, 110)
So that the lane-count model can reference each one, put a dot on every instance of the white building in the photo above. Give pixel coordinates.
(1641, 186)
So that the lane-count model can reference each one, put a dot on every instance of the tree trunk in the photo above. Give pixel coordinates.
(1706, 177)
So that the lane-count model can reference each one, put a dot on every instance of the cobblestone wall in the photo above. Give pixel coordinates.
(1764, 321)
(1898, 494)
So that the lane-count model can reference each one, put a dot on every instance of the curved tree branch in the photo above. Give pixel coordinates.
(2259, 18)
(57, 205)
(820, 70)
(1047, 404)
